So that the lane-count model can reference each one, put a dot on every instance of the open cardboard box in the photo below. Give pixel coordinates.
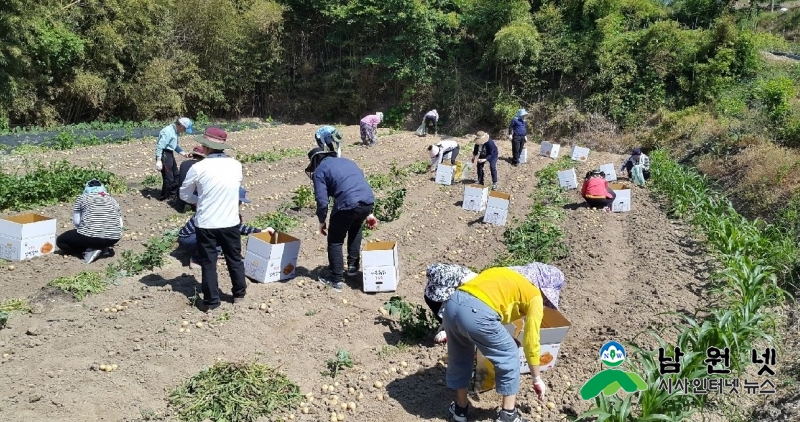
(622, 203)
(381, 267)
(26, 236)
(475, 197)
(553, 330)
(497, 208)
(271, 257)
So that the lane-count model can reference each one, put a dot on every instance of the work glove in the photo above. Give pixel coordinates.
(159, 165)
(323, 229)
(539, 387)
(441, 336)
(372, 222)
(482, 160)
(270, 230)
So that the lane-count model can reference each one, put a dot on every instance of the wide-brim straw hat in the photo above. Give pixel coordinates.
(481, 138)
(215, 138)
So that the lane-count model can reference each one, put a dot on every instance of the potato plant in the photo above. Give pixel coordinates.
(415, 321)
(303, 197)
(341, 361)
(271, 156)
(278, 220)
(753, 259)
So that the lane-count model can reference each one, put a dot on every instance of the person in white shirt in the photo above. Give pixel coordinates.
(216, 180)
(446, 149)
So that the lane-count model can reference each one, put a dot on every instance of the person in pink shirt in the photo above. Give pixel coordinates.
(596, 191)
(368, 126)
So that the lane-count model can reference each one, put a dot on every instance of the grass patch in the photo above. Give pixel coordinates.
(49, 184)
(83, 284)
(234, 392)
(271, 156)
(278, 220)
(539, 238)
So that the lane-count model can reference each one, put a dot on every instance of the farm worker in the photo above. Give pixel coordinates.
(519, 135)
(187, 237)
(443, 279)
(196, 155)
(447, 148)
(354, 200)
(637, 158)
(98, 224)
(368, 126)
(474, 316)
(329, 138)
(216, 180)
(431, 119)
(165, 159)
(596, 190)
(485, 150)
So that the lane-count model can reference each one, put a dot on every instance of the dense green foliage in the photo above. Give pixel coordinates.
(475, 60)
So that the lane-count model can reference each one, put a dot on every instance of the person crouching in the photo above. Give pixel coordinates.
(596, 191)
(98, 224)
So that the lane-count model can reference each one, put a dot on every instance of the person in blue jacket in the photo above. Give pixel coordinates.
(485, 150)
(341, 179)
(519, 135)
(329, 138)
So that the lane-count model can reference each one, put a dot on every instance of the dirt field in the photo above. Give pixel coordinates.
(624, 269)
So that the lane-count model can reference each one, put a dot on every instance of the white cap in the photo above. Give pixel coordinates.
(380, 115)
(434, 151)
(186, 123)
(468, 277)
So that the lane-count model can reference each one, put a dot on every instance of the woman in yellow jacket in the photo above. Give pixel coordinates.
(474, 316)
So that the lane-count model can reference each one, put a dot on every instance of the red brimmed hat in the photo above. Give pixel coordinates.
(215, 138)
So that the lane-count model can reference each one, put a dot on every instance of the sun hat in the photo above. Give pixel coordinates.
(315, 156)
(434, 150)
(522, 112)
(547, 278)
(636, 151)
(198, 150)
(243, 195)
(380, 115)
(186, 123)
(215, 138)
(481, 138)
(94, 186)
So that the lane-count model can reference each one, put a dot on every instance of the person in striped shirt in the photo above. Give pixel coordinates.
(98, 224)
(187, 237)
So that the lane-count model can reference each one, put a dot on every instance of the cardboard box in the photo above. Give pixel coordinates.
(523, 156)
(381, 267)
(622, 203)
(271, 258)
(497, 208)
(579, 154)
(445, 173)
(550, 150)
(475, 197)
(26, 236)
(568, 179)
(610, 171)
(551, 334)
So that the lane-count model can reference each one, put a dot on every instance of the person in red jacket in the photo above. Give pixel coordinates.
(596, 191)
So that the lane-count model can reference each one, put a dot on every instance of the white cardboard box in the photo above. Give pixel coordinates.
(610, 171)
(381, 267)
(568, 179)
(579, 154)
(497, 205)
(622, 203)
(271, 258)
(475, 197)
(553, 330)
(445, 173)
(550, 150)
(523, 156)
(26, 236)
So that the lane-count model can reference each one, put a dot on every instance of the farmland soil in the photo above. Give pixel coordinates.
(623, 271)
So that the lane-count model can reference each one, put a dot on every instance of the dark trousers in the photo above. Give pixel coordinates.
(230, 240)
(629, 168)
(169, 175)
(517, 144)
(453, 155)
(435, 306)
(189, 244)
(492, 169)
(430, 122)
(346, 223)
(599, 203)
(72, 242)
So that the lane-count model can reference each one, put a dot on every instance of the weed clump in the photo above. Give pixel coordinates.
(234, 392)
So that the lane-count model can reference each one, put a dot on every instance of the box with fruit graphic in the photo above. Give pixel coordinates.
(553, 331)
(271, 257)
(26, 236)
